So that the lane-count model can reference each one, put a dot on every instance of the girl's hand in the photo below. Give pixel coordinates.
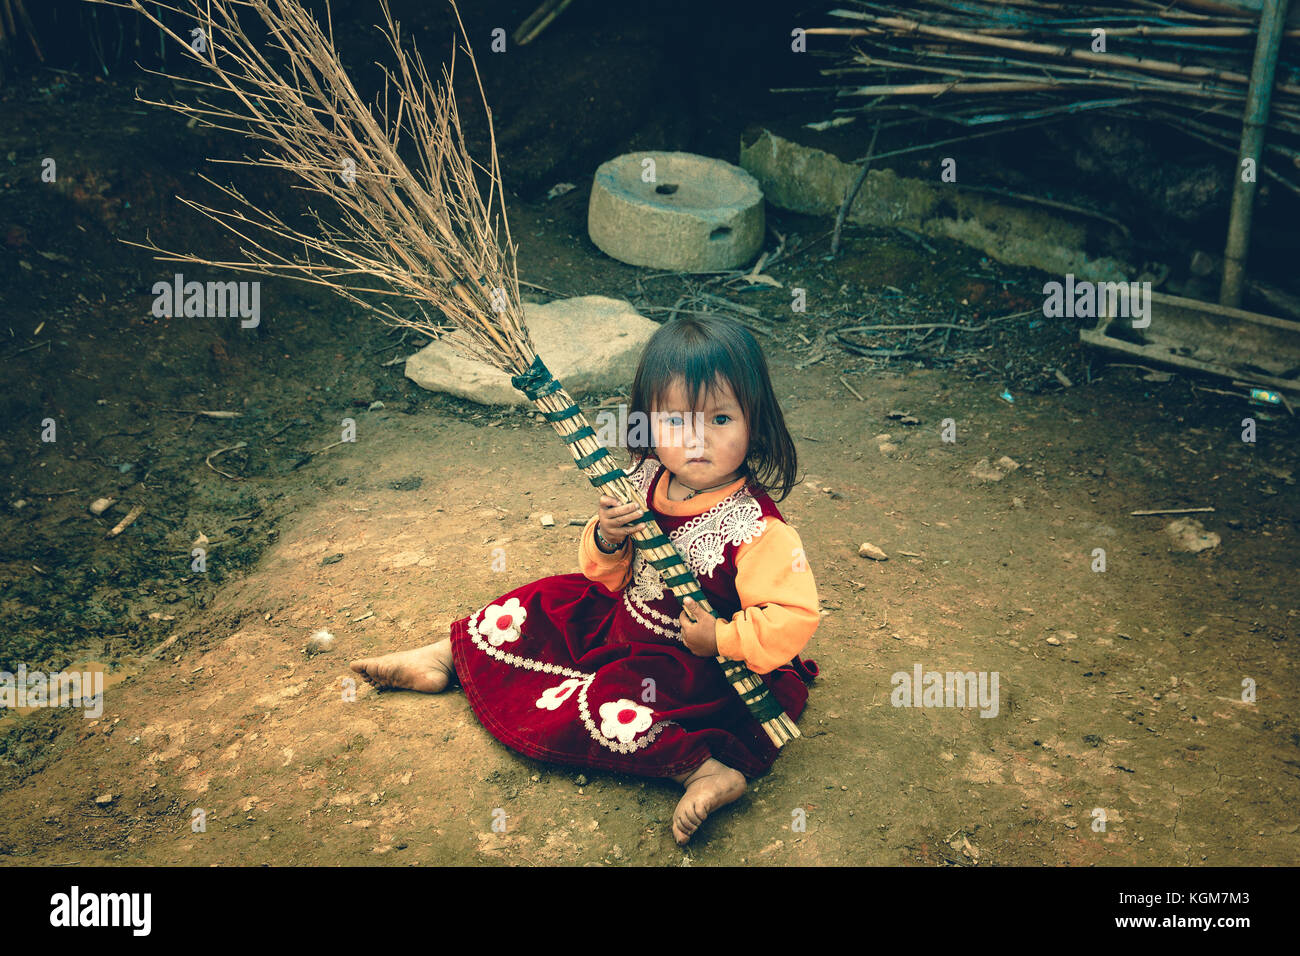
(701, 637)
(618, 521)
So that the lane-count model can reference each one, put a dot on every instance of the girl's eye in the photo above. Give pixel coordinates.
(720, 415)
(674, 420)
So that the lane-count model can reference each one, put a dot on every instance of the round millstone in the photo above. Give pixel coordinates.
(676, 211)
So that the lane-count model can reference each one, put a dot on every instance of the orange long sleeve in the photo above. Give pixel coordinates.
(778, 599)
(607, 570)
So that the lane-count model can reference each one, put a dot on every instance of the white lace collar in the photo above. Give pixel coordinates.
(736, 519)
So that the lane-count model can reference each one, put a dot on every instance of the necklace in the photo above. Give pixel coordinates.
(696, 491)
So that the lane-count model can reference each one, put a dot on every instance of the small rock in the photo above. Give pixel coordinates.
(1064, 379)
(1054, 641)
(1188, 534)
(100, 505)
(104, 799)
(581, 780)
(887, 447)
(985, 471)
(548, 520)
(375, 406)
(988, 471)
(320, 642)
(869, 550)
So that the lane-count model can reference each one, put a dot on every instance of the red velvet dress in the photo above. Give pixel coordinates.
(566, 671)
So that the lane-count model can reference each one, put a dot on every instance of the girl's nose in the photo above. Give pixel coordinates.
(693, 438)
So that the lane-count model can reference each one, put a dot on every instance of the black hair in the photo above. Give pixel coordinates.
(702, 351)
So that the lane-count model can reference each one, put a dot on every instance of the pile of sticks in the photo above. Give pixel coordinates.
(13, 22)
(989, 67)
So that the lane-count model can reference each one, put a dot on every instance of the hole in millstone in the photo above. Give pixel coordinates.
(720, 233)
(666, 189)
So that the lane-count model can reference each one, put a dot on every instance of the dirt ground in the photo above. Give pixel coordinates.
(1120, 691)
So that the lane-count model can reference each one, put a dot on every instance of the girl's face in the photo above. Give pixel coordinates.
(702, 447)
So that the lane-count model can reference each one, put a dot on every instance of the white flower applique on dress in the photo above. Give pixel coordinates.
(553, 697)
(622, 719)
(501, 622)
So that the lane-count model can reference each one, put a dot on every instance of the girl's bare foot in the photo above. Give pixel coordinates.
(428, 669)
(711, 785)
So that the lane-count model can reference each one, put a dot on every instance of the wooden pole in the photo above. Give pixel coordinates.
(1271, 21)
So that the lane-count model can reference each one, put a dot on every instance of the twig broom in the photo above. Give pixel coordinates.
(427, 238)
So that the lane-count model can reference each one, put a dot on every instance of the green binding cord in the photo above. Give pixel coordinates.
(571, 412)
(586, 461)
(537, 381)
(764, 706)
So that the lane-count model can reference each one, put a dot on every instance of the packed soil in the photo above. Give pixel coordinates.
(1141, 718)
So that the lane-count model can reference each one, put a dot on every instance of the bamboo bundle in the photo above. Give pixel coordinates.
(421, 235)
(990, 64)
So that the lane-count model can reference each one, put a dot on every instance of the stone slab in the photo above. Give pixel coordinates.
(590, 343)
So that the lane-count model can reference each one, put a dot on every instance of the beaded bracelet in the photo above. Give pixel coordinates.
(600, 537)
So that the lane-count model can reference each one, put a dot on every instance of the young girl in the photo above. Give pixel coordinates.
(603, 668)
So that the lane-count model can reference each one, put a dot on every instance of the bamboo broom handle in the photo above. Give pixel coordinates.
(596, 463)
